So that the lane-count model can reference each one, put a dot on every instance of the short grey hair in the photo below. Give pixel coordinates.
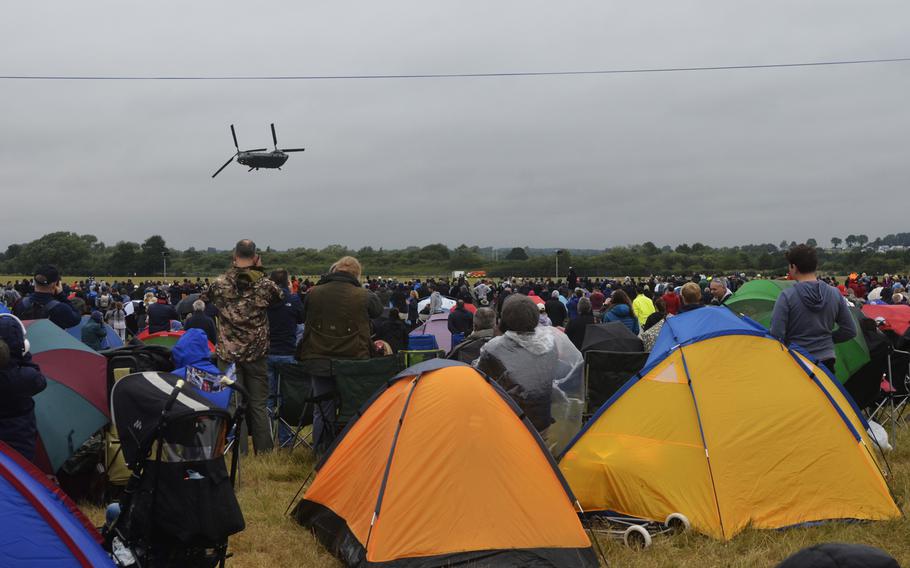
(720, 279)
(584, 306)
(484, 319)
(198, 306)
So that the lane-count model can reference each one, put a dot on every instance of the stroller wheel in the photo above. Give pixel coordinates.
(677, 523)
(636, 536)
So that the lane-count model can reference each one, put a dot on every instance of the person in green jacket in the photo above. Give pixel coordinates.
(93, 332)
(338, 313)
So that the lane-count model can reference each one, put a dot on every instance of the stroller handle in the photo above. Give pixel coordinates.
(174, 394)
(236, 386)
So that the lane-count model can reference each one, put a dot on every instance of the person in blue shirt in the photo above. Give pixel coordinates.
(48, 301)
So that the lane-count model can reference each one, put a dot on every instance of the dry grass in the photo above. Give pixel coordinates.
(267, 486)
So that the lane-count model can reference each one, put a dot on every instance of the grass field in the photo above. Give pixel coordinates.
(267, 486)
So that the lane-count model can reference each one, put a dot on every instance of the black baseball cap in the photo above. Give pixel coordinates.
(47, 274)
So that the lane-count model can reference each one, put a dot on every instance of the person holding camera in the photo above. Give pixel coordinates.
(243, 295)
(48, 301)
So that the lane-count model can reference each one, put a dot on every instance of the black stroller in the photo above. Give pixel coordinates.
(179, 506)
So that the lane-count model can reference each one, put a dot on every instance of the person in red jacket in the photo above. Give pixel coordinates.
(671, 299)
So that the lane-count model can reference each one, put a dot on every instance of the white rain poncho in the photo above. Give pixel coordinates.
(544, 374)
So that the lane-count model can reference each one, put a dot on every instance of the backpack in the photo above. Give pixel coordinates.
(29, 309)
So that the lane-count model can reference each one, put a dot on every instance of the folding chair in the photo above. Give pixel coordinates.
(114, 463)
(605, 373)
(895, 388)
(294, 407)
(357, 381)
(423, 342)
(411, 357)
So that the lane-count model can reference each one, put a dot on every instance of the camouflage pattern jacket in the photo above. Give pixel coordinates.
(242, 296)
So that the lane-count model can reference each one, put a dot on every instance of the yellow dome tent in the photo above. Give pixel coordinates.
(729, 427)
(438, 470)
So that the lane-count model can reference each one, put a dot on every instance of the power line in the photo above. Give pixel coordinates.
(437, 75)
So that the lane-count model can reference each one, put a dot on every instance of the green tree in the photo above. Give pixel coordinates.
(152, 256)
(782, 245)
(861, 240)
(811, 243)
(517, 253)
(124, 259)
(836, 241)
(850, 241)
(69, 252)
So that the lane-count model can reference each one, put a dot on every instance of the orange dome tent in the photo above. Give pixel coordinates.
(439, 469)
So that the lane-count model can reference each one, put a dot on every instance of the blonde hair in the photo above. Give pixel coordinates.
(347, 264)
(691, 293)
(149, 299)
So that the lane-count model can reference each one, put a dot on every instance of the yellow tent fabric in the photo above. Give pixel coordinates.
(753, 440)
(462, 478)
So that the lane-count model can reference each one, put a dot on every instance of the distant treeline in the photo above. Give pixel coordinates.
(85, 255)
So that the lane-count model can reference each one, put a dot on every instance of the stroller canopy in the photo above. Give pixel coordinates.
(136, 404)
(613, 336)
(731, 429)
(40, 525)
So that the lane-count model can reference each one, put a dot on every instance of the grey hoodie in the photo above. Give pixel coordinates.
(805, 315)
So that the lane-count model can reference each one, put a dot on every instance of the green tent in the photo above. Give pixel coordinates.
(756, 299)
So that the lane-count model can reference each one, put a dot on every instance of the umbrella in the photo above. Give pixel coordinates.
(112, 341)
(74, 405)
(470, 307)
(166, 338)
(185, 306)
(756, 298)
(897, 318)
(612, 336)
(537, 300)
(447, 303)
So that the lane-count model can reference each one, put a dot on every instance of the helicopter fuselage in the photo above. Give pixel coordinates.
(262, 159)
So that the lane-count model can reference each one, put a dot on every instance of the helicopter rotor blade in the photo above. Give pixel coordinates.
(231, 159)
(257, 150)
(234, 134)
(292, 149)
(274, 137)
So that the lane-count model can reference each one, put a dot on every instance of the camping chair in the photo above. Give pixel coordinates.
(114, 464)
(411, 357)
(895, 392)
(423, 342)
(605, 373)
(356, 381)
(294, 407)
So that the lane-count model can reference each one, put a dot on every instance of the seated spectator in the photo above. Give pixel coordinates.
(469, 350)
(198, 320)
(460, 319)
(160, 314)
(658, 316)
(533, 364)
(577, 327)
(691, 297)
(556, 310)
(619, 308)
(394, 331)
(93, 332)
(20, 380)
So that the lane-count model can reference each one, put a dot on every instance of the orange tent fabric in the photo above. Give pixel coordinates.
(441, 469)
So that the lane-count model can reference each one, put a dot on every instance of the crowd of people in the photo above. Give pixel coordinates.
(526, 333)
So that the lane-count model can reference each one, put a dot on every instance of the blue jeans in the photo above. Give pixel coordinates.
(273, 361)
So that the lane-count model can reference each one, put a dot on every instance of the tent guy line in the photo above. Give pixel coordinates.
(439, 75)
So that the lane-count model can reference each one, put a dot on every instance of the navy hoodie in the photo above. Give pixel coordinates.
(805, 315)
(20, 380)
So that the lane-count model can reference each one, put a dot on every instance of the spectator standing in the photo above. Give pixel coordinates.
(242, 296)
(199, 320)
(284, 317)
(93, 332)
(806, 314)
(48, 301)
(20, 380)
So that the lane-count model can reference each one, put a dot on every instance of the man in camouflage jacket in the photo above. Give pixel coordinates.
(242, 296)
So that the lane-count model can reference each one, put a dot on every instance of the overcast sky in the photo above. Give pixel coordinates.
(722, 157)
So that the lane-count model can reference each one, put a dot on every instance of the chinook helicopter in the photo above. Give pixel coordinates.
(259, 157)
